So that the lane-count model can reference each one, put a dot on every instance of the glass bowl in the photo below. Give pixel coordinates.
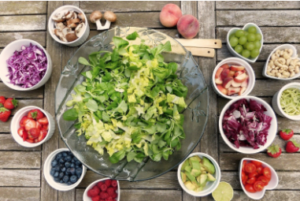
(196, 113)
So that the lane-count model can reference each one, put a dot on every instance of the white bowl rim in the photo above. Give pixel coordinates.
(237, 60)
(216, 182)
(265, 188)
(94, 183)
(262, 41)
(15, 87)
(50, 28)
(295, 118)
(230, 144)
(274, 50)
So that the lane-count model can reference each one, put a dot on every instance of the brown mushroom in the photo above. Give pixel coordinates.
(79, 31)
(110, 16)
(60, 34)
(59, 26)
(81, 17)
(95, 17)
(72, 23)
(71, 36)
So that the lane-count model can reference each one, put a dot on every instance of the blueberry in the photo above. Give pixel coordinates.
(72, 161)
(77, 162)
(69, 183)
(63, 169)
(56, 174)
(67, 164)
(56, 168)
(73, 179)
(78, 171)
(68, 171)
(61, 181)
(52, 172)
(61, 175)
(54, 163)
(58, 156)
(66, 179)
(56, 179)
(68, 158)
(61, 161)
(72, 165)
(72, 171)
(64, 154)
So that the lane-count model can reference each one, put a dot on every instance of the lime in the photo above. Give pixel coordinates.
(223, 192)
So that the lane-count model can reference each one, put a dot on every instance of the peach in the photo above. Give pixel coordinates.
(222, 89)
(169, 15)
(188, 26)
(227, 82)
(237, 68)
(233, 90)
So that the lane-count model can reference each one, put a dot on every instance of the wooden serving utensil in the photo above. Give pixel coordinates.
(202, 52)
(208, 43)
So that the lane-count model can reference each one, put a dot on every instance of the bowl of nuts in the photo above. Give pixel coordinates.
(68, 25)
(283, 63)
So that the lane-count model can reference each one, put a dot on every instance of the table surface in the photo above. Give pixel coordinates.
(21, 177)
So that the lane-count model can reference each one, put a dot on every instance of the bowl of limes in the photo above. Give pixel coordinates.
(245, 43)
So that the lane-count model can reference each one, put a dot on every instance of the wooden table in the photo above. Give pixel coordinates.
(21, 177)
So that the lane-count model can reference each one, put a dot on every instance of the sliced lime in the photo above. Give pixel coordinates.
(223, 192)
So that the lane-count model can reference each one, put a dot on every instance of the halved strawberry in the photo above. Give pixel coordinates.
(233, 90)
(222, 89)
(29, 140)
(43, 120)
(218, 72)
(21, 131)
(42, 135)
(34, 132)
(237, 68)
(39, 125)
(29, 123)
(227, 82)
(35, 114)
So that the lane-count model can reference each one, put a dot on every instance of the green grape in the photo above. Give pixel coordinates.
(257, 44)
(250, 46)
(239, 33)
(246, 53)
(246, 33)
(233, 41)
(252, 30)
(242, 40)
(238, 48)
(254, 53)
(251, 37)
(258, 36)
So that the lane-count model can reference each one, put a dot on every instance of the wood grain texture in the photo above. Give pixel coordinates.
(8, 143)
(27, 102)
(6, 38)
(23, 23)
(9, 159)
(7, 92)
(261, 18)
(22, 7)
(124, 6)
(20, 178)
(269, 196)
(19, 194)
(257, 5)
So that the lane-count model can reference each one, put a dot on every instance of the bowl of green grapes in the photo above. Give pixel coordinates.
(245, 43)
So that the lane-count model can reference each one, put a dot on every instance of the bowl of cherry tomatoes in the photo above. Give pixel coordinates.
(31, 126)
(256, 177)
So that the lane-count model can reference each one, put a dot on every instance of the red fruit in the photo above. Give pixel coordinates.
(225, 66)
(222, 89)
(235, 84)
(256, 163)
(29, 140)
(93, 191)
(2, 101)
(218, 81)
(35, 114)
(218, 72)
(249, 188)
(245, 83)
(114, 195)
(29, 124)
(4, 114)
(263, 179)
(225, 74)
(251, 180)
(114, 183)
(103, 187)
(109, 199)
(42, 135)
(10, 103)
(249, 168)
(274, 151)
(96, 198)
(233, 90)
(292, 146)
(110, 191)
(242, 90)
(241, 77)
(231, 73)
(22, 121)
(258, 186)
(21, 131)
(103, 195)
(227, 82)
(237, 68)
(34, 132)
(107, 182)
(45, 127)
(286, 134)
(43, 120)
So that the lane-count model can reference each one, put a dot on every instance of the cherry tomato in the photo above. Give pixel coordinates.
(253, 174)
(244, 178)
(267, 172)
(259, 170)
(249, 188)
(251, 180)
(258, 186)
(250, 167)
(256, 163)
(244, 164)
(263, 179)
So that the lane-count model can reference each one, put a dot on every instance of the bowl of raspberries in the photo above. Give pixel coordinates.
(102, 190)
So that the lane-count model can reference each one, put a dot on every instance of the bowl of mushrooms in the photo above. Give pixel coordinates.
(283, 63)
(68, 25)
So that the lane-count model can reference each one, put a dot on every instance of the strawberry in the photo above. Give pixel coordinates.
(25, 135)
(43, 120)
(108, 182)
(286, 134)
(114, 183)
(10, 103)
(274, 151)
(96, 198)
(29, 123)
(38, 125)
(22, 121)
(42, 135)
(34, 132)
(21, 131)
(292, 146)
(103, 187)
(35, 114)
(29, 140)
(2, 101)
(93, 191)
(110, 191)
(4, 114)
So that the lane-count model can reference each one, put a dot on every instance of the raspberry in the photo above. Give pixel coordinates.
(114, 183)
(93, 191)
(99, 184)
(96, 198)
(103, 188)
(103, 195)
(108, 182)
(109, 199)
(114, 195)
(110, 191)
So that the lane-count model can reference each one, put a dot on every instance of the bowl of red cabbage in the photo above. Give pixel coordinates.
(248, 124)
(25, 65)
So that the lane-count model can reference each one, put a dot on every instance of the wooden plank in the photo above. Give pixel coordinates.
(257, 5)
(143, 195)
(22, 7)
(9, 159)
(19, 194)
(269, 196)
(28, 102)
(5, 126)
(288, 161)
(20, 178)
(8, 143)
(124, 6)
(166, 181)
(268, 87)
(261, 18)
(270, 34)
(8, 92)
(23, 23)
(6, 38)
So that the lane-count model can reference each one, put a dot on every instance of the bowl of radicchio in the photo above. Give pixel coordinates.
(25, 65)
(248, 124)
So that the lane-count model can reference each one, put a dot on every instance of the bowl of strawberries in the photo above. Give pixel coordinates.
(31, 126)
(103, 189)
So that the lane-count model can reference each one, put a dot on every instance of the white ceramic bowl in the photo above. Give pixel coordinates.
(276, 101)
(280, 47)
(56, 185)
(87, 198)
(8, 52)
(233, 30)
(271, 185)
(249, 69)
(271, 133)
(15, 125)
(79, 40)
(210, 186)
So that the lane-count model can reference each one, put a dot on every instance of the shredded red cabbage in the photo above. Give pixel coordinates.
(27, 67)
(245, 123)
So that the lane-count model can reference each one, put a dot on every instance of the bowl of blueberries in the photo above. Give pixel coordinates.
(63, 171)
